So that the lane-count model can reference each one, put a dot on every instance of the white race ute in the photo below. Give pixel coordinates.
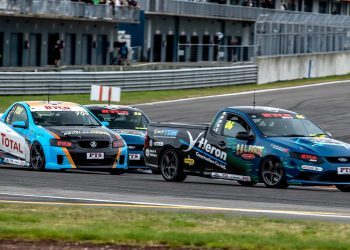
(13, 147)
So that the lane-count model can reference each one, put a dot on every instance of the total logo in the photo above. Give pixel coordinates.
(203, 144)
(11, 144)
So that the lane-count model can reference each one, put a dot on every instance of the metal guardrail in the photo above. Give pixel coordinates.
(67, 8)
(29, 83)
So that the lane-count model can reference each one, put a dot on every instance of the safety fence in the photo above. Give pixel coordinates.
(301, 33)
(67, 8)
(28, 83)
(215, 52)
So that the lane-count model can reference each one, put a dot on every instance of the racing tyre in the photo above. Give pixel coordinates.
(247, 183)
(116, 171)
(37, 157)
(170, 166)
(343, 188)
(273, 174)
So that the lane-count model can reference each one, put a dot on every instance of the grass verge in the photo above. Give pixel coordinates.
(175, 229)
(161, 95)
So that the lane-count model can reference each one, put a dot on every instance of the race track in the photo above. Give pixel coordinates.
(327, 105)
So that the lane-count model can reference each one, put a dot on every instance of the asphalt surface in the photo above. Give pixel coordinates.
(327, 105)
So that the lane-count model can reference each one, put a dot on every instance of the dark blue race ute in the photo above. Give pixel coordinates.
(130, 123)
(250, 145)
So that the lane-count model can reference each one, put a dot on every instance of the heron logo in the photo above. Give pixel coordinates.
(203, 144)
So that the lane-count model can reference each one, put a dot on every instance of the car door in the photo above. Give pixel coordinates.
(240, 153)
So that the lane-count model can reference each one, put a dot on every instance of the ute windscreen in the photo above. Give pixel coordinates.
(286, 125)
(64, 118)
(122, 119)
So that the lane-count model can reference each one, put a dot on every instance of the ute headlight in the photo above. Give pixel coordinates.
(307, 157)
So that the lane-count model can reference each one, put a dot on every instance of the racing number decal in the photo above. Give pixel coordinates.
(229, 124)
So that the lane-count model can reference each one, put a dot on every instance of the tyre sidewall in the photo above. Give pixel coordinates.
(282, 182)
(178, 175)
(42, 168)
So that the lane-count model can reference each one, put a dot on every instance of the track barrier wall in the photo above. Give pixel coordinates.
(29, 83)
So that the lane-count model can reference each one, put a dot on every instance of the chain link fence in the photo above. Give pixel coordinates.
(215, 52)
(300, 33)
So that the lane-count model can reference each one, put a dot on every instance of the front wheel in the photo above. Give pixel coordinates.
(37, 157)
(343, 188)
(273, 174)
(170, 166)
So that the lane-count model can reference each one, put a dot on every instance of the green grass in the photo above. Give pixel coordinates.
(175, 229)
(161, 95)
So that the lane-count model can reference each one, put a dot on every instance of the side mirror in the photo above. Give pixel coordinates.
(244, 136)
(19, 124)
(106, 124)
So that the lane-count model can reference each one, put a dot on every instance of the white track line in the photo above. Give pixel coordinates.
(189, 207)
(243, 93)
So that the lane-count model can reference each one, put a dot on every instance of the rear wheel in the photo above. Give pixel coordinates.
(247, 183)
(343, 188)
(170, 166)
(273, 174)
(37, 157)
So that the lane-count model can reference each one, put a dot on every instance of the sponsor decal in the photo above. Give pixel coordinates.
(279, 148)
(63, 108)
(115, 111)
(249, 149)
(211, 160)
(165, 133)
(230, 176)
(151, 143)
(248, 156)
(130, 132)
(11, 144)
(205, 146)
(189, 161)
(205, 150)
(14, 161)
(92, 132)
(158, 143)
(151, 153)
(131, 147)
(276, 115)
(219, 122)
(313, 168)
